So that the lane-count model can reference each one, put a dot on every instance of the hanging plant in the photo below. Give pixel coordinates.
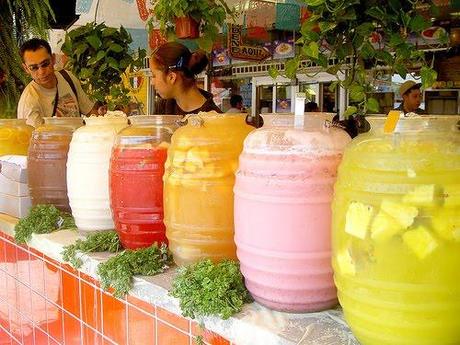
(209, 15)
(362, 35)
(19, 19)
(99, 56)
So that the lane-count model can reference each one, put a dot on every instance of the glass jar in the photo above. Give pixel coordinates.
(47, 159)
(14, 137)
(198, 187)
(136, 179)
(283, 193)
(88, 171)
(396, 233)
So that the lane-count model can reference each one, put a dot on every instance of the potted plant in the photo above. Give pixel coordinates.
(99, 56)
(189, 19)
(361, 35)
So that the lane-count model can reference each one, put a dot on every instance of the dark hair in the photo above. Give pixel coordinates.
(311, 106)
(33, 45)
(235, 99)
(415, 87)
(176, 56)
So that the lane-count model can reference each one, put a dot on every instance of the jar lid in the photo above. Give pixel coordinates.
(420, 123)
(316, 137)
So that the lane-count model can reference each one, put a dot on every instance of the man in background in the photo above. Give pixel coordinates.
(236, 103)
(412, 97)
(50, 93)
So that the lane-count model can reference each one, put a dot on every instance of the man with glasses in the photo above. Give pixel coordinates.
(50, 93)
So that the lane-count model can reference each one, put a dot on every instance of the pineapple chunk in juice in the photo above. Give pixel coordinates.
(384, 227)
(358, 219)
(420, 241)
(404, 214)
(420, 196)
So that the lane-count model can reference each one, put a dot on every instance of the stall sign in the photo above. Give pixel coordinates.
(238, 50)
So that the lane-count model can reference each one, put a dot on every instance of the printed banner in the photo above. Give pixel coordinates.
(238, 50)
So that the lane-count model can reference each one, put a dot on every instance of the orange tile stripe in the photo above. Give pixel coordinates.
(45, 302)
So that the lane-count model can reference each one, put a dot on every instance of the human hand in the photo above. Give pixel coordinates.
(102, 110)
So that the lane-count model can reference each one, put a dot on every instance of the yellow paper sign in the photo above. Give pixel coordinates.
(391, 121)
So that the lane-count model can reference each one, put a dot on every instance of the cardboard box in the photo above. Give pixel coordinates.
(16, 206)
(13, 188)
(14, 167)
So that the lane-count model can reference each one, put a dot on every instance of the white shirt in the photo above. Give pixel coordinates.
(37, 102)
(236, 111)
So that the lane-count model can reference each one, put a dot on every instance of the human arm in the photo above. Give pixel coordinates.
(29, 109)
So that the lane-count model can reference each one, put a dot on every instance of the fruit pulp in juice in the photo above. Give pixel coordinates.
(397, 241)
(136, 193)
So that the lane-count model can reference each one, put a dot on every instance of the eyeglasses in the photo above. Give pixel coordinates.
(43, 64)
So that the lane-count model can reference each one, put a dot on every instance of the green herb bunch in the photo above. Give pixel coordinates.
(118, 271)
(42, 219)
(206, 288)
(102, 241)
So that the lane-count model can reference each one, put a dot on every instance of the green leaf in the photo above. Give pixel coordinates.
(428, 76)
(291, 67)
(86, 73)
(365, 29)
(94, 41)
(373, 105)
(314, 3)
(80, 48)
(108, 32)
(100, 55)
(357, 93)
(384, 56)
(333, 85)
(367, 50)
(324, 27)
(401, 70)
(396, 39)
(419, 23)
(113, 63)
(116, 48)
(273, 72)
(124, 63)
(435, 10)
(334, 69)
(376, 12)
(350, 111)
(323, 61)
(205, 43)
(311, 50)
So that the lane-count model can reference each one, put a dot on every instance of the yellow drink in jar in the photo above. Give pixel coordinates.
(396, 233)
(198, 187)
(14, 137)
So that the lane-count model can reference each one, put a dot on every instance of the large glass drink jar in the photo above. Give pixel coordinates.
(88, 171)
(47, 161)
(283, 194)
(396, 233)
(136, 179)
(14, 137)
(198, 181)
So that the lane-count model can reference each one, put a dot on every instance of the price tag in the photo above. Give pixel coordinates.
(391, 121)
